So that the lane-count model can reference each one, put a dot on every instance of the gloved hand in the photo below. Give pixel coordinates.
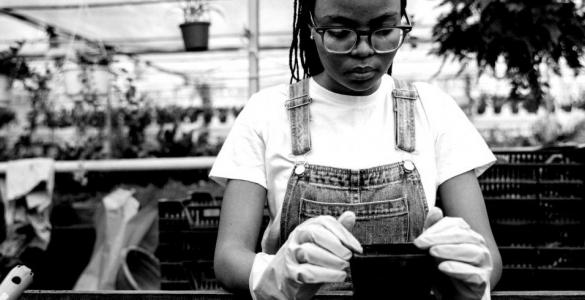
(316, 252)
(462, 254)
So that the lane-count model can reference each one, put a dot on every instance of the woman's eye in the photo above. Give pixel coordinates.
(384, 32)
(339, 33)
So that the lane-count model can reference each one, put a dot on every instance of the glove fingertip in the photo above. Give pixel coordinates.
(347, 219)
(421, 243)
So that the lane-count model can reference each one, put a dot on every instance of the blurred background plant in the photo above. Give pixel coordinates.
(531, 37)
(12, 64)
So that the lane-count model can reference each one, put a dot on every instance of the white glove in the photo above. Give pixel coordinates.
(317, 251)
(463, 254)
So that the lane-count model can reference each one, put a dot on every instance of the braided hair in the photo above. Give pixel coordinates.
(303, 48)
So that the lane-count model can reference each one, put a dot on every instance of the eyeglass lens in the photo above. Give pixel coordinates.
(343, 40)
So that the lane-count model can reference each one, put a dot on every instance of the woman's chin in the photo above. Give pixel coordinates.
(363, 86)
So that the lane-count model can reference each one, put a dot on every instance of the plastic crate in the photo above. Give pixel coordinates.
(202, 274)
(535, 202)
(546, 212)
(174, 276)
(563, 155)
(187, 232)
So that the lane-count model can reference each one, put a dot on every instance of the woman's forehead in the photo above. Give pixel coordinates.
(362, 10)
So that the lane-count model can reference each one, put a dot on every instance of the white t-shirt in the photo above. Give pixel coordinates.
(352, 132)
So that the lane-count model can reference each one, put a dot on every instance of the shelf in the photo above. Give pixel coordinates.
(533, 223)
(538, 164)
(508, 181)
(541, 199)
(126, 165)
(528, 181)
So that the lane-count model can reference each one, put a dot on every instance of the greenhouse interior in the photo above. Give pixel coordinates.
(112, 114)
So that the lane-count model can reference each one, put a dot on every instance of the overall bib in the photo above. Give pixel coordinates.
(388, 200)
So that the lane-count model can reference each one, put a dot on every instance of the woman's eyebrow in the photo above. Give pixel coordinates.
(389, 16)
(339, 19)
(348, 21)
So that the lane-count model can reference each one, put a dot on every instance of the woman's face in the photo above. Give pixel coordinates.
(359, 71)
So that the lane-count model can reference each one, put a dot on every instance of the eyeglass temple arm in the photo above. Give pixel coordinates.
(407, 19)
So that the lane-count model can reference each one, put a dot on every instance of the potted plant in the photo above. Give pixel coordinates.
(195, 29)
(12, 66)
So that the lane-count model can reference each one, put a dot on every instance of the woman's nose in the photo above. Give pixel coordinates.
(363, 47)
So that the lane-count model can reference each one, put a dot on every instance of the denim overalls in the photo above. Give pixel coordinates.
(388, 200)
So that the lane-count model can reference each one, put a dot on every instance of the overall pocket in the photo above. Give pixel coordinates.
(378, 222)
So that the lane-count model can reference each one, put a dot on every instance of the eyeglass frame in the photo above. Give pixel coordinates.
(321, 31)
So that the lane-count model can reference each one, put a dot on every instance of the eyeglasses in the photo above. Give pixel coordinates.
(342, 40)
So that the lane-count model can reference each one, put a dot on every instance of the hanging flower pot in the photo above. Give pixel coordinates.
(195, 35)
(195, 28)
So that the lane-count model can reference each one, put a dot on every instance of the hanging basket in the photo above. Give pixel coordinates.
(4, 90)
(195, 35)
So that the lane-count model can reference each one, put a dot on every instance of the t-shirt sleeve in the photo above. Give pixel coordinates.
(459, 147)
(242, 153)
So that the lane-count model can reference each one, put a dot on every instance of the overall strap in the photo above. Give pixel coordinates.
(298, 112)
(404, 96)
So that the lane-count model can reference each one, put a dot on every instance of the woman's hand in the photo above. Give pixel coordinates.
(461, 252)
(317, 251)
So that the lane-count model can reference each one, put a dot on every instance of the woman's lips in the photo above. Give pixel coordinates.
(362, 73)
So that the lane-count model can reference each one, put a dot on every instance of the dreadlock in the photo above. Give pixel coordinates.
(303, 48)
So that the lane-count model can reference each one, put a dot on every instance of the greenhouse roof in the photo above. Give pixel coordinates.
(151, 26)
(137, 26)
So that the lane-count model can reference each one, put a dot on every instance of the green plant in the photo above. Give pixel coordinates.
(12, 64)
(198, 10)
(528, 34)
(100, 59)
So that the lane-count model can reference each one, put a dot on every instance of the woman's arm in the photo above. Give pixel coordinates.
(240, 220)
(461, 197)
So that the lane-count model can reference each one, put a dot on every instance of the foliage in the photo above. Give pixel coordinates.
(100, 59)
(526, 33)
(7, 115)
(38, 85)
(130, 138)
(12, 64)
(198, 10)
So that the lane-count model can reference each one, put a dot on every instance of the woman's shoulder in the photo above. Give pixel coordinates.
(434, 98)
(270, 96)
(265, 104)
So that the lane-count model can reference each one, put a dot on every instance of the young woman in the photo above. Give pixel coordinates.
(349, 156)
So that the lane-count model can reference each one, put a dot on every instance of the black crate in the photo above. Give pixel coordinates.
(202, 274)
(535, 202)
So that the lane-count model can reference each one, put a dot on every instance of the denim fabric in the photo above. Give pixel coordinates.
(298, 112)
(404, 96)
(388, 200)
